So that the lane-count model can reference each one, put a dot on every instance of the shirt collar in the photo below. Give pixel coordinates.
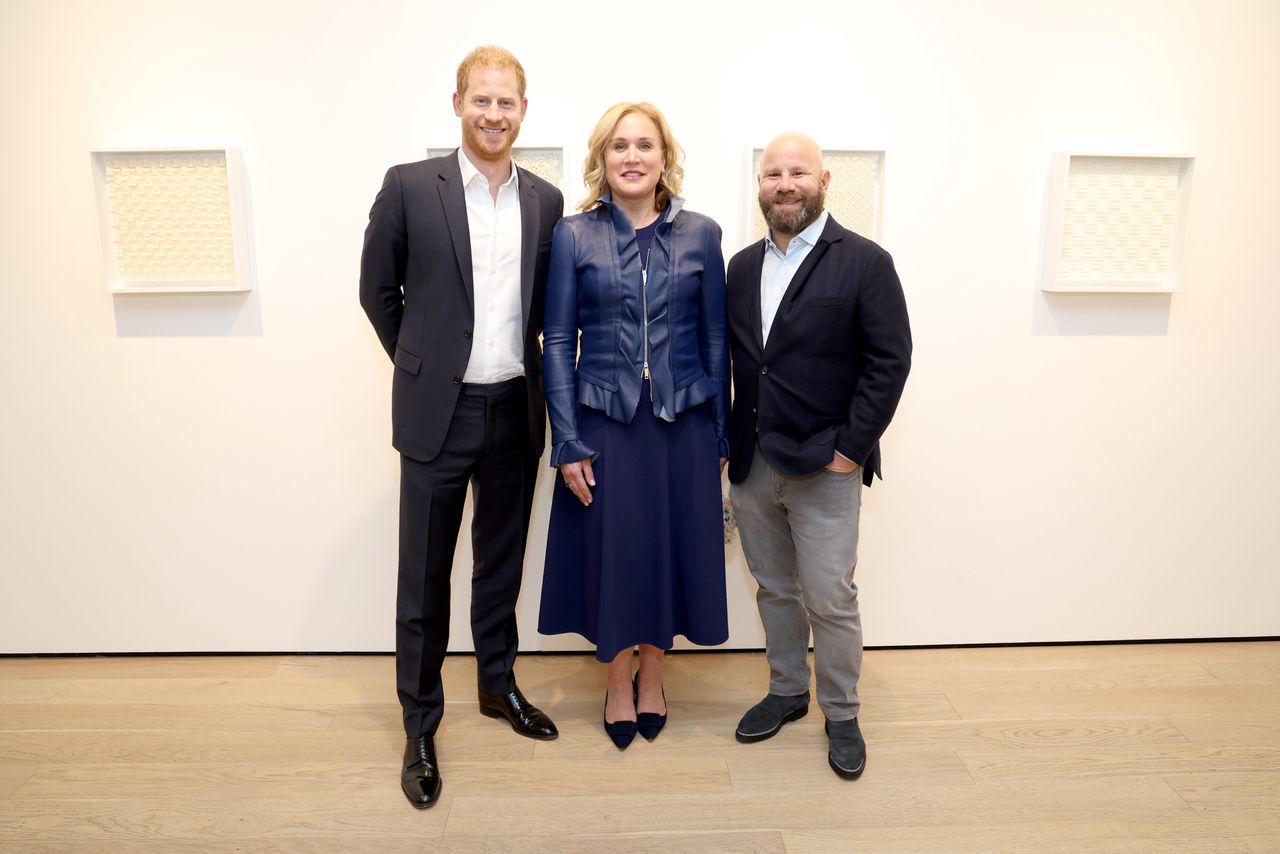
(809, 236)
(469, 171)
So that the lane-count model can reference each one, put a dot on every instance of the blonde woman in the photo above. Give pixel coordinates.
(635, 551)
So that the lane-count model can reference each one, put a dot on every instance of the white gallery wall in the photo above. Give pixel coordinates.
(214, 472)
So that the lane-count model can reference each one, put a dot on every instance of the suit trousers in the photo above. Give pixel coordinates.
(800, 538)
(488, 447)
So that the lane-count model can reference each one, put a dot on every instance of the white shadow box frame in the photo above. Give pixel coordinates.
(547, 162)
(1116, 223)
(173, 220)
(855, 196)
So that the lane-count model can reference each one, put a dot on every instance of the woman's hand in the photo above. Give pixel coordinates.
(579, 478)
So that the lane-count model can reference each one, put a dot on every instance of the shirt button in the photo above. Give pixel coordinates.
(764, 369)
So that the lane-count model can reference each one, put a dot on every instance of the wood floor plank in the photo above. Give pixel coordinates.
(1166, 836)
(1020, 734)
(1232, 792)
(857, 806)
(1048, 679)
(195, 746)
(668, 843)
(139, 666)
(117, 781)
(359, 814)
(14, 773)
(31, 690)
(1251, 672)
(1237, 727)
(224, 691)
(1247, 699)
(1073, 763)
(807, 770)
(66, 717)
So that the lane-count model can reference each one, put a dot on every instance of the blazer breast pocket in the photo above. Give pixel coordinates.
(827, 302)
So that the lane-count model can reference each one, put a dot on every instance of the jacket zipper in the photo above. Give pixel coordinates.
(644, 299)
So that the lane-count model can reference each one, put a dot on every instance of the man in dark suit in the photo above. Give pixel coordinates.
(455, 257)
(821, 349)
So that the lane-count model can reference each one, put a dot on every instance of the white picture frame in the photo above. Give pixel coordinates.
(1116, 223)
(172, 220)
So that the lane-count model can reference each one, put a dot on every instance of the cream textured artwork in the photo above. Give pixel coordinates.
(1120, 218)
(853, 196)
(546, 163)
(171, 218)
(1116, 223)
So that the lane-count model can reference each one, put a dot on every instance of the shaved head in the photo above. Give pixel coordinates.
(793, 185)
(796, 145)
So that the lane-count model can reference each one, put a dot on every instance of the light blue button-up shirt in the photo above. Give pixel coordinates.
(780, 268)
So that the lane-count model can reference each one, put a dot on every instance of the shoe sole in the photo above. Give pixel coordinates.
(845, 773)
(793, 715)
(493, 713)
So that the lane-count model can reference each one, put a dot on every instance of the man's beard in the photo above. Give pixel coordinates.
(797, 220)
(482, 144)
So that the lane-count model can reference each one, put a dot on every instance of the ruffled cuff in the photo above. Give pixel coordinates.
(572, 451)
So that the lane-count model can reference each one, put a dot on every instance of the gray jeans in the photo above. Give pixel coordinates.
(800, 538)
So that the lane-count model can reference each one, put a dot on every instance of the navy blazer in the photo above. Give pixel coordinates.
(837, 359)
(416, 287)
(594, 286)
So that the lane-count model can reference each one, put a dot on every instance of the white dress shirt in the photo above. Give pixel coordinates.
(497, 342)
(780, 268)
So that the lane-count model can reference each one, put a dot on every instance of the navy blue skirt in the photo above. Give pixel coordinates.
(645, 562)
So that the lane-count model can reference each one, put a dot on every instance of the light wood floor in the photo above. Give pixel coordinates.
(1142, 748)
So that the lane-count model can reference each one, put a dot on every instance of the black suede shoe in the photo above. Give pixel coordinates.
(622, 733)
(420, 777)
(765, 718)
(525, 717)
(847, 752)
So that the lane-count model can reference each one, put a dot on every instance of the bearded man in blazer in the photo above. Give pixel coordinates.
(451, 277)
(821, 348)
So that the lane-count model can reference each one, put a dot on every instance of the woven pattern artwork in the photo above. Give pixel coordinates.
(546, 163)
(171, 217)
(853, 196)
(1120, 219)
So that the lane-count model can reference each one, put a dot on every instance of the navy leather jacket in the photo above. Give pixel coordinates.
(594, 286)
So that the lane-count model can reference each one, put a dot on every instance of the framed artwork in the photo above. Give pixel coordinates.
(172, 220)
(1116, 223)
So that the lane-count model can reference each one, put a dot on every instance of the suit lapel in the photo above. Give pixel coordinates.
(529, 216)
(831, 233)
(755, 266)
(454, 202)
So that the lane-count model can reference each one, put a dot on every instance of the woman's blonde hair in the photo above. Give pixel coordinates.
(593, 167)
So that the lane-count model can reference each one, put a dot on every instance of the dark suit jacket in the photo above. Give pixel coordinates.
(838, 355)
(416, 285)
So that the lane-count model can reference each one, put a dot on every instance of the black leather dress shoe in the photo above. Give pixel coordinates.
(765, 718)
(525, 717)
(847, 753)
(420, 777)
